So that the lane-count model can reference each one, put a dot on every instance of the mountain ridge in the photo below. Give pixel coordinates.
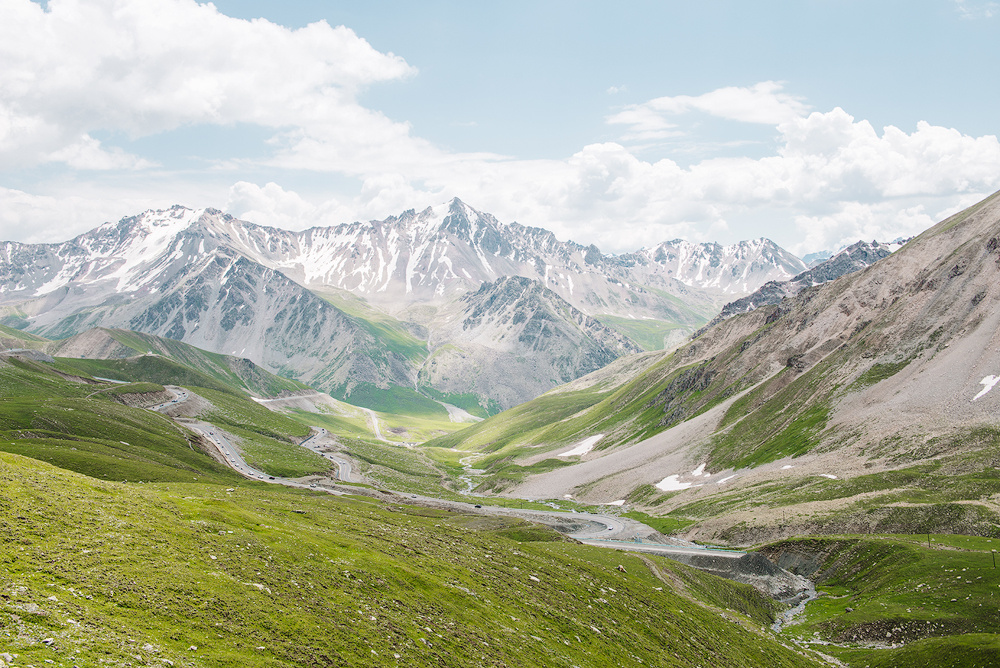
(237, 288)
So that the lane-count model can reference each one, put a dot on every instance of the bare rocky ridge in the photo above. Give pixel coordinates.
(853, 258)
(900, 358)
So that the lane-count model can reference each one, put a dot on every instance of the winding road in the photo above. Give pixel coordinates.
(235, 460)
(375, 428)
(608, 531)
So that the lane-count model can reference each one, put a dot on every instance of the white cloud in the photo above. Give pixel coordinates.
(270, 205)
(148, 66)
(87, 153)
(761, 103)
(33, 218)
(832, 180)
(976, 9)
(854, 221)
(80, 70)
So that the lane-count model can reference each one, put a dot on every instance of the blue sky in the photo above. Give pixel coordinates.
(814, 123)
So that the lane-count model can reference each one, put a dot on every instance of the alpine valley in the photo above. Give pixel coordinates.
(443, 440)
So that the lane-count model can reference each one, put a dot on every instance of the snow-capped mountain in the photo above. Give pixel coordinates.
(268, 294)
(853, 258)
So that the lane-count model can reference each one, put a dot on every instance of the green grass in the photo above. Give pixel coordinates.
(772, 421)
(17, 338)
(520, 424)
(666, 525)
(146, 368)
(259, 576)
(226, 370)
(878, 372)
(390, 334)
(265, 437)
(22, 378)
(103, 439)
(469, 402)
(397, 467)
(394, 399)
(649, 334)
(351, 426)
(133, 388)
(896, 589)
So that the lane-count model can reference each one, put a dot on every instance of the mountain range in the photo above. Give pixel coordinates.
(408, 304)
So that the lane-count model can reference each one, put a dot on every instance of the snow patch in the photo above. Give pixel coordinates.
(698, 471)
(829, 475)
(988, 383)
(619, 502)
(725, 480)
(671, 484)
(787, 466)
(583, 447)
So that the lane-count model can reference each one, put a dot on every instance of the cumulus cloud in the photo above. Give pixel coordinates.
(29, 217)
(831, 180)
(269, 204)
(148, 66)
(77, 72)
(828, 168)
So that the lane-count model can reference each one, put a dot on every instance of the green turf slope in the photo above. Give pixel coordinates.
(250, 575)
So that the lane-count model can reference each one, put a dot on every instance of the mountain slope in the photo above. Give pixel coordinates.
(517, 338)
(239, 372)
(871, 392)
(853, 258)
(208, 568)
(199, 574)
(169, 276)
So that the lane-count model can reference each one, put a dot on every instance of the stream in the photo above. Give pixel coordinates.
(787, 617)
(470, 472)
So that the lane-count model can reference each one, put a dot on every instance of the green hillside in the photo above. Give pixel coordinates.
(249, 575)
(925, 600)
(228, 370)
(206, 568)
(81, 427)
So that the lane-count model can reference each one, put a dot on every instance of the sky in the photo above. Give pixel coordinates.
(814, 123)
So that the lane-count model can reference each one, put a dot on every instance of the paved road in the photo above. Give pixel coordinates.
(180, 396)
(375, 427)
(236, 461)
(229, 452)
(663, 549)
(343, 466)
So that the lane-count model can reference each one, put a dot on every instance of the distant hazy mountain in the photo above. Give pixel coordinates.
(280, 297)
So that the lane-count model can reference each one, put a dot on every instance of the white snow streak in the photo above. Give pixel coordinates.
(671, 484)
(988, 383)
(583, 447)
